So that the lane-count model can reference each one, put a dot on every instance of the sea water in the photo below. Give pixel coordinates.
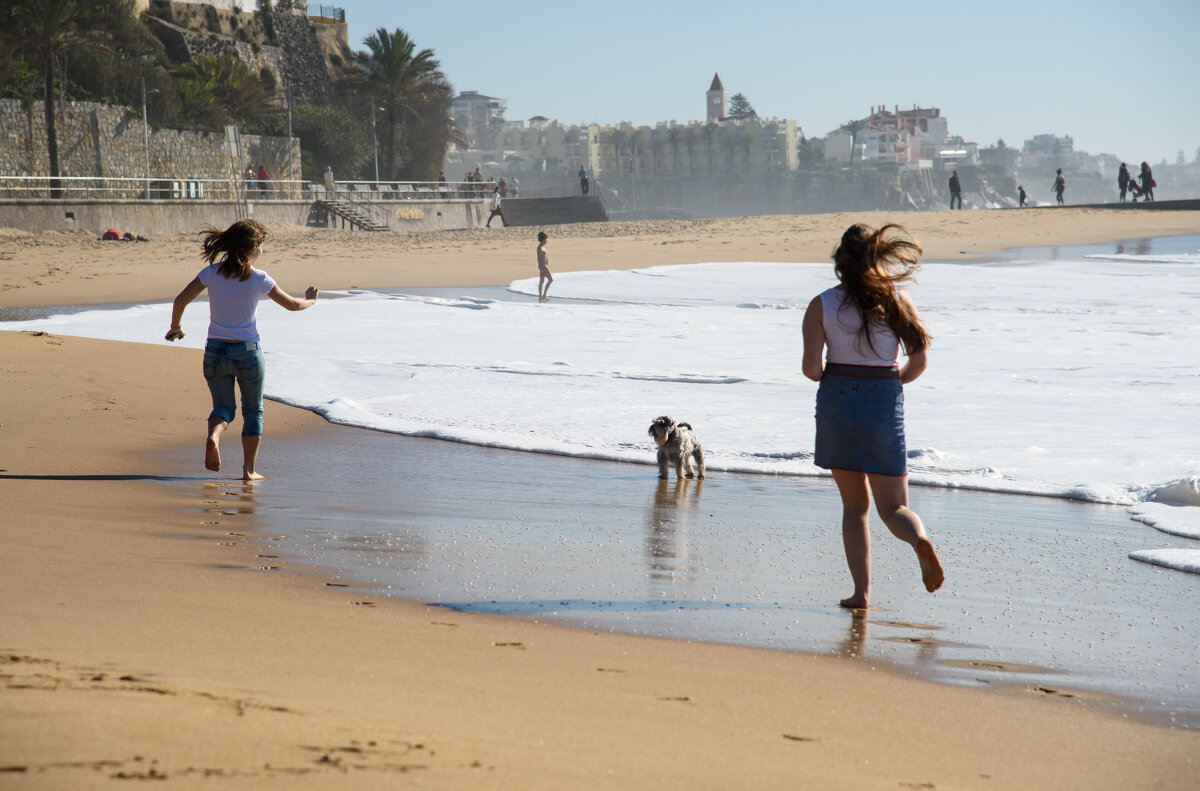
(1068, 374)
(1055, 375)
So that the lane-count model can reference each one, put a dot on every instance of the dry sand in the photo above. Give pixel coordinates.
(146, 635)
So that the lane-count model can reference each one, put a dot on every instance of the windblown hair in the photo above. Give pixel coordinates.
(233, 246)
(870, 265)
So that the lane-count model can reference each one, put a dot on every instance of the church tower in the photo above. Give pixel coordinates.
(715, 100)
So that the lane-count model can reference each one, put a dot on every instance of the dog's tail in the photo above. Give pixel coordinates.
(688, 426)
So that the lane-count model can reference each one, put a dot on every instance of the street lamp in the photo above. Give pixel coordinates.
(146, 135)
(375, 139)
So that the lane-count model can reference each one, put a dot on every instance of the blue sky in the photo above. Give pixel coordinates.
(1119, 77)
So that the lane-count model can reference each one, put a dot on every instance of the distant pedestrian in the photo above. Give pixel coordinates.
(955, 190)
(503, 187)
(544, 276)
(250, 171)
(496, 209)
(1021, 195)
(513, 186)
(583, 180)
(262, 178)
(1060, 184)
(1123, 180)
(329, 183)
(1148, 183)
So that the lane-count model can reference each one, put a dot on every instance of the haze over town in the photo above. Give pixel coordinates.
(1117, 77)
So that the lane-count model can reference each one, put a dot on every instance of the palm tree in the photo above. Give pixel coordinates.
(675, 139)
(403, 81)
(618, 137)
(214, 90)
(690, 138)
(709, 131)
(45, 31)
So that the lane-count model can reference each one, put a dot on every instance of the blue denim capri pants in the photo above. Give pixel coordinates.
(226, 362)
(860, 420)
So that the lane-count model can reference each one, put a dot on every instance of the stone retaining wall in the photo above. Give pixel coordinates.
(108, 141)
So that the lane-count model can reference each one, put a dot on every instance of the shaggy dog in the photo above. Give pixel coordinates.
(678, 445)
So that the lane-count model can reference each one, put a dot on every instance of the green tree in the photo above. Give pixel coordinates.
(739, 106)
(44, 31)
(406, 83)
(675, 140)
(215, 91)
(331, 136)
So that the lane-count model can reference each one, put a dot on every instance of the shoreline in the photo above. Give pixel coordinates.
(284, 679)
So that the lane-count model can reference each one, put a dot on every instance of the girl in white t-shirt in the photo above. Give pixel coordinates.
(232, 353)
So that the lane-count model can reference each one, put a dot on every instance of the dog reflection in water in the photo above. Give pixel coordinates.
(678, 445)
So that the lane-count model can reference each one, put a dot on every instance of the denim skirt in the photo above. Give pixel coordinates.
(860, 424)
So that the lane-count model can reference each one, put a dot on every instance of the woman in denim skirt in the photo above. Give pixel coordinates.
(233, 353)
(853, 334)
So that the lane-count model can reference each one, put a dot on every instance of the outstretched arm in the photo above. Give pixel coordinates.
(814, 340)
(284, 299)
(190, 292)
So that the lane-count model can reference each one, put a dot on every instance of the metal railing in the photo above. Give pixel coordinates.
(226, 189)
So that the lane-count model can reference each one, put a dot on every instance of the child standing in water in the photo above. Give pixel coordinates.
(863, 323)
(544, 276)
(233, 353)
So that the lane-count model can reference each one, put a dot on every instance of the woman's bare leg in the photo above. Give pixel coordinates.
(250, 456)
(891, 500)
(856, 536)
(212, 443)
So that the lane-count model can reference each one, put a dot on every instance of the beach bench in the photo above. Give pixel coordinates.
(385, 192)
(363, 190)
(405, 190)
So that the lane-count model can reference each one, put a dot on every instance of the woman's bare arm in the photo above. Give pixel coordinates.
(814, 340)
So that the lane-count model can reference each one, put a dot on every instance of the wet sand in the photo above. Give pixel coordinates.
(1041, 597)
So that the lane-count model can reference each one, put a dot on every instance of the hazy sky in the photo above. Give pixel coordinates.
(1120, 77)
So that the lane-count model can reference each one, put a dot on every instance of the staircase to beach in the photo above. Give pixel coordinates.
(351, 214)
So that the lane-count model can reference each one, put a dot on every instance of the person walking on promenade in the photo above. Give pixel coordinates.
(1148, 183)
(496, 209)
(859, 328)
(955, 190)
(1060, 184)
(1123, 180)
(262, 179)
(583, 180)
(233, 353)
(544, 276)
(1022, 196)
(329, 182)
(514, 186)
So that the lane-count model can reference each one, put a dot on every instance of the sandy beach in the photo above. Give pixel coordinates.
(150, 631)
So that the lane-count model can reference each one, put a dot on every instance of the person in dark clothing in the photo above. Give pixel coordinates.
(1021, 195)
(955, 190)
(1147, 182)
(583, 180)
(1060, 184)
(1123, 180)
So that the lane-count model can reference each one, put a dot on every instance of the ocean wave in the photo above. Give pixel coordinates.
(1178, 559)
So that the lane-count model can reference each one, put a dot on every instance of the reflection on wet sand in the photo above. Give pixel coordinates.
(667, 524)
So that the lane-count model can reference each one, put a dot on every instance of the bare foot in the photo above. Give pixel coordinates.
(931, 568)
(212, 455)
(251, 477)
(855, 602)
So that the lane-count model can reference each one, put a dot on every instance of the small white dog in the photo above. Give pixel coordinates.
(677, 444)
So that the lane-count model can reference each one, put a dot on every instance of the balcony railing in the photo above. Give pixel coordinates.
(209, 189)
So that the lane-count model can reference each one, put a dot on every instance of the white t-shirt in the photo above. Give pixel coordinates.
(495, 201)
(232, 303)
(841, 326)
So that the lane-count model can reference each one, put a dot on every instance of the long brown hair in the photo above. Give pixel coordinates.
(870, 264)
(234, 245)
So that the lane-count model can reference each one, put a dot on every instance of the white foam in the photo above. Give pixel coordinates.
(1066, 378)
(1169, 518)
(1178, 559)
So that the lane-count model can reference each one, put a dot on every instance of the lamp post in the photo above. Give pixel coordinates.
(291, 175)
(146, 136)
(375, 139)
